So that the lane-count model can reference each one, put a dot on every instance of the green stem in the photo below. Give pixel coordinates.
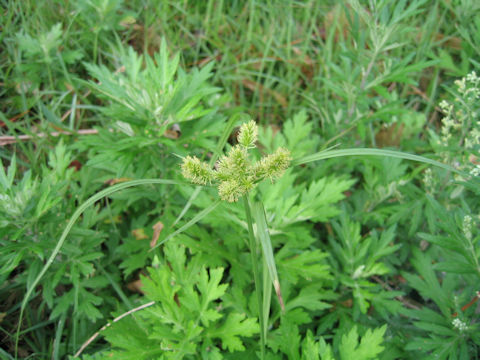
(256, 271)
(50, 76)
(95, 45)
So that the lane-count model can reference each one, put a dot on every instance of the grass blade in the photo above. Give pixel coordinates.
(58, 337)
(193, 221)
(187, 205)
(328, 154)
(256, 272)
(267, 297)
(68, 228)
(5, 355)
(264, 239)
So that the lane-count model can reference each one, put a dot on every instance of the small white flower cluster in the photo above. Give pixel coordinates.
(459, 324)
(473, 138)
(460, 132)
(467, 227)
(445, 106)
(448, 122)
(429, 181)
(475, 171)
(469, 86)
(462, 118)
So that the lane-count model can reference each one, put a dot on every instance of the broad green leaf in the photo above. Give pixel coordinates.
(310, 348)
(369, 346)
(234, 327)
(309, 298)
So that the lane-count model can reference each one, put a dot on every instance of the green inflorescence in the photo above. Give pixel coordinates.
(234, 173)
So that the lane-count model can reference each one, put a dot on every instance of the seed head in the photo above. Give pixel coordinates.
(234, 164)
(196, 171)
(230, 190)
(274, 165)
(234, 173)
(248, 134)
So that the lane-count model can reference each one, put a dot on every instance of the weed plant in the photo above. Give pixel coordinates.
(144, 215)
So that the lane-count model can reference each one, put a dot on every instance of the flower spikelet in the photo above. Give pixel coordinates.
(230, 190)
(234, 174)
(248, 134)
(273, 166)
(234, 164)
(196, 171)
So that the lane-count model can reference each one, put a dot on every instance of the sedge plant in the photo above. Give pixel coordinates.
(235, 175)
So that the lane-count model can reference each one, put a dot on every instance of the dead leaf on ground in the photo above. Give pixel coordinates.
(307, 65)
(139, 234)
(135, 286)
(252, 85)
(157, 229)
(15, 118)
(347, 303)
(389, 135)
(173, 133)
(75, 164)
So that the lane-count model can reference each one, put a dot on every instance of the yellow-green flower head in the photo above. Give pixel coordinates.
(274, 165)
(234, 164)
(248, 134)
(230, 190)
(234, 173)
(197, 171)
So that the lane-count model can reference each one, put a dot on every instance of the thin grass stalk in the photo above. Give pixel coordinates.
(328, 154)
(256, 272)
(267, 297)
(58, 337)
(191, 222)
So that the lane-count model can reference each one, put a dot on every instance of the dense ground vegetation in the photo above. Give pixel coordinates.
(376, 257)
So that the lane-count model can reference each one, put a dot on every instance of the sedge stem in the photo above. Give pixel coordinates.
(256, 271)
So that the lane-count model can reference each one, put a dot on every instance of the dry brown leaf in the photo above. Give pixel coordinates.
(116, 181)
(452, 42)
(139, 234)
(335, 18)
(135, 286)
(173, 133)
(390, 135)
(15, 118)
(157, 229)
(278, 291)
(474, 160)
(252, 85)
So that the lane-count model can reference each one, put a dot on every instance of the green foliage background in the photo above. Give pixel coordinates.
(377, 257)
